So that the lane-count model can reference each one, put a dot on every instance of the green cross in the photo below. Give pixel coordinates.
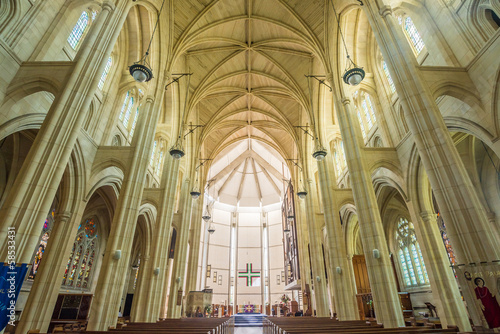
(249, 274)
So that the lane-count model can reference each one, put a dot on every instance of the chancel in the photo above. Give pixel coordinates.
(249, 166)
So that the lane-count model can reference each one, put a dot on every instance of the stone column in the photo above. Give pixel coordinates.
(106, 303)
(150, 295)
(441, 278)
(344, 292)
(303, 241)
(43, 295)
(36, 184)
(194, 249)
(179, 269)
(380, 272)
(319, 279)
(466, 220)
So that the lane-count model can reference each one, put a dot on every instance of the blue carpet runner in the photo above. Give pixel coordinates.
(248, 320)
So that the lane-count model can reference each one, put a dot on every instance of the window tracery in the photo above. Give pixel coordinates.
(388, 77)
(410, 255)
(82, 257)
(411, 33)
(81, 27)
(104, 74)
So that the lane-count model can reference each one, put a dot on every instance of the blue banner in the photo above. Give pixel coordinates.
(11, 280)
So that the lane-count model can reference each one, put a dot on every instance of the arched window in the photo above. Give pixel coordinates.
(412, 33)
(42, 245)
(105, 73)
(126, 118)
(124, 105)
(159, 163)
(82, 257)
(367, 114)
(151, 160)
(410, 256)
(361, 123)
(134, 123)
(388, 76)
(339, 156)
(81, 27)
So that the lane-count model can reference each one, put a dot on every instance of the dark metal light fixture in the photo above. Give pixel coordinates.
(286, 229)
(195, 194)
(353, 74)
(206, 215)
(211, 229)
(141, 70)
(177, 151)
(302, 194)
(320, 152)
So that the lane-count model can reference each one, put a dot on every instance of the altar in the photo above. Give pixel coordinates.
(249, 308)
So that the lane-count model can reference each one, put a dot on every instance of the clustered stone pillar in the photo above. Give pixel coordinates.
(36, 184)
(455, 194)
(150, 294)
(43, 295)
(194, 249)
(106, 303)
(344, 292)
(179, 269)
(380, 272)
(318, 270)
(467, 223)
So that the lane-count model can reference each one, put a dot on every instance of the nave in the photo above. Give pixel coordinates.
(168, 160)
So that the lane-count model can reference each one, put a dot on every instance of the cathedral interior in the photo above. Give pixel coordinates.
(334, 159)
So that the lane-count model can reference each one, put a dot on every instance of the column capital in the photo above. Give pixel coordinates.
(63, 216)
(150, 99)
(108, 5)
(428, 216)
(345, 100)
(385, 10)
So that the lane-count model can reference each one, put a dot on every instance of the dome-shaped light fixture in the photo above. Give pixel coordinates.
(353, 74)
(211, 228)
(206, 215)
(141, 71)
(302, 194)
(286, 229)
(195, 194)
(319, 154)
(177, 151)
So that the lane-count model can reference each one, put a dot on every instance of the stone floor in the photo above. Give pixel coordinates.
(248, 330)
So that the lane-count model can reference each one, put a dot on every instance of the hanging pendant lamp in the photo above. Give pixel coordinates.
(141, 70)
(353, 74)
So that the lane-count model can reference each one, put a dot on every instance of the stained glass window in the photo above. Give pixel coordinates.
(446, 240)
(105, 73)
(82, 257)
(388, 76)
(124, 106)
(410, 255)
(342, 151)
(412, 32)
(42, 245)
(78, 30)
(126, 118)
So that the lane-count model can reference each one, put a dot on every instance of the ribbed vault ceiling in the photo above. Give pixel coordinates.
(248, 173)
